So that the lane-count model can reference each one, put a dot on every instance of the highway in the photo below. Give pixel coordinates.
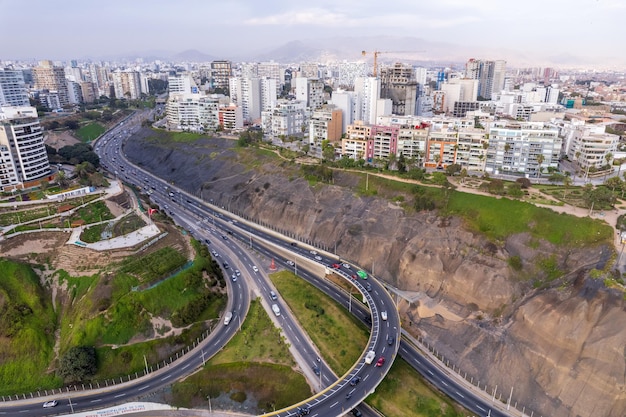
(229, 236)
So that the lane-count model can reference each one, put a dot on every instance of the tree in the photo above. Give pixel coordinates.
(62, 179)
(401, 163)
(78, 364)
(306, 148)
(524, 182)
(540, 159)
(71, 124)
(614, 183)
(567, 182)
(437, 158)
(463, 174)
(598, 197)
(609, 158)
(328, 150)
(453, 169)
(556, 177)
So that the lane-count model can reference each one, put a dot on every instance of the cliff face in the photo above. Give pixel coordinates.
(561, 349)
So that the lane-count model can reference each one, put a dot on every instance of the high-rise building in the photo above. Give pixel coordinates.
(268, 93)
(311, 91)
(490, 76)
(325, 124)
(127, 84)
(246, 93)
(345, 101)
(49, 77)
(182, 83)
(22, 145)
(367, 90)
(221, 71)
(398, 84)
(12, 88)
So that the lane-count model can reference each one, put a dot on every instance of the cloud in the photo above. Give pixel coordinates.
(318, 17)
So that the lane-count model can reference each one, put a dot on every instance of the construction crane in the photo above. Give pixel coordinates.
(375, 53)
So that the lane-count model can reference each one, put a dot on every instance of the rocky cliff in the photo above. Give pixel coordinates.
(562, 348)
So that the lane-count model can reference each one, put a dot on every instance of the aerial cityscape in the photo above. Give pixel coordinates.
(249, 208)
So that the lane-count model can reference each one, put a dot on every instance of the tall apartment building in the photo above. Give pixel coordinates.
(311, 91)
(471, 151)
(24, 159)
(441, 149)
(309, 70)
(12, 88)
(246, 93)
(412, 142)
(268, 93)
(490, 76)
(514, 147)
(346, 102)
(221, 71)
(325, 124)
(231, 117)
(398, 83)
(49, 77)
(127, 84)
(588, 145)
(384, 141)
(272, 70)
(367, 90)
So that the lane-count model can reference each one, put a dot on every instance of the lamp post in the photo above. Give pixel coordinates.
(209, 398)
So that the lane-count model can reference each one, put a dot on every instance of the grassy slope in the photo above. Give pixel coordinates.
(90, 131)
(28, 319)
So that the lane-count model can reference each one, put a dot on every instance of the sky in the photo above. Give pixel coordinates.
(565, 31)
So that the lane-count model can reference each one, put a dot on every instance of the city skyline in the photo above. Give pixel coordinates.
(566, 33)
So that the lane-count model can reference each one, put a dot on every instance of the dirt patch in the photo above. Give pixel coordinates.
(57, 140)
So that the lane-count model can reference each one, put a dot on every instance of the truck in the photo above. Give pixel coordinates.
(369, 358)
(276, 309)
(228, 317)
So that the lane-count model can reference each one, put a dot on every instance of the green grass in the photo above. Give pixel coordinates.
(90, 132)
(27, 324)
(92, 234)
(337, 334)
(155, 265)
(485, 215)
(404, 393)
(256, 361)
(178, 137)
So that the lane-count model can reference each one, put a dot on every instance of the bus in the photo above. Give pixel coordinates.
(362, 274)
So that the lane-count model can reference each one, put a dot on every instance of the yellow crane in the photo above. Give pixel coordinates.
(375, 53)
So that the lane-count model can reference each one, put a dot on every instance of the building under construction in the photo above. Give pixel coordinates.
(399, 84)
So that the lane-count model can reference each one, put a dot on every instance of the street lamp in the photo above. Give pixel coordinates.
(209, 398)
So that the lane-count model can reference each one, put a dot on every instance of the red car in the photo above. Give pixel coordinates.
(381, 361)
(336, 266)
(353, 276)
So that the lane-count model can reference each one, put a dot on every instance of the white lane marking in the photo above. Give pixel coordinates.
(186, 366)
(459, 394)
(96, 400)
(120, 395)
(165, 377)
(443, 382)
(143, 388)
(334, 404)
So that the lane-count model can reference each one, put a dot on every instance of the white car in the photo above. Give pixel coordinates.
(255, 269)
(383, 315)
(347, 266)
(49, 404)
(319, 258)
(312, 252)
(292, 263)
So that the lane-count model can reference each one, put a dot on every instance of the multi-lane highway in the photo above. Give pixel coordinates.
(229, 236)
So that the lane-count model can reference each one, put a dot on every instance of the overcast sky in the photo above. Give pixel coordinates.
(64, 29)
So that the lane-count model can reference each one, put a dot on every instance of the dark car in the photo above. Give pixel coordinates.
(316, 369)
(355, 380)
(356, 413)
(391, 340)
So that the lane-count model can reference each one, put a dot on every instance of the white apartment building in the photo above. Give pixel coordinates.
(194, 112)
(367, 90)
(182, 83)
(21, 136)
(514, 147)
(288, 118)
(588, 145)
(345, 101)
(246, 93)
(268, 93)
(311, 91)
(412, 142)
(12, 88)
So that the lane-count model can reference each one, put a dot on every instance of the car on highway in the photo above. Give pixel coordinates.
(312, 252)
(355, 381)
(273, 295)
(336, 266)
(255, 269)
(347, 266)
(237, 272)
(49, 404)
(316, 369)
(391, 340)
(383, 315)
(225, 265)
(276, 309)
(292, 263)
(362, 274)
(368, 287)
(356, 413)
(369, 357)
(234, 278)
(317, 257)
(380, 362)
(228, 317)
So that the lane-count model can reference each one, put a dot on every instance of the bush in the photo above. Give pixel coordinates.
(78, 364)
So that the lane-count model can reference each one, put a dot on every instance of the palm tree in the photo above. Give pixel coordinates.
(540, 159)
(608, 157)
(567, 181)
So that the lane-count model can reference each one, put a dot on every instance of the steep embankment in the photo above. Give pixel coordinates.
(561, 348)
